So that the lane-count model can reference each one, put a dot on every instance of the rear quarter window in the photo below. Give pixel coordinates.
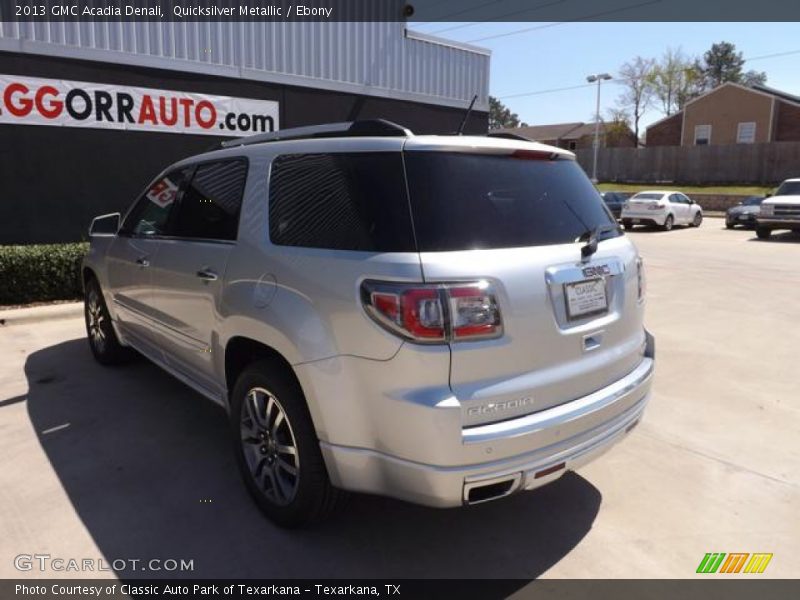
(340, 201)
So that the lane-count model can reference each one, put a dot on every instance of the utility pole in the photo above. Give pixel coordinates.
(591, 79)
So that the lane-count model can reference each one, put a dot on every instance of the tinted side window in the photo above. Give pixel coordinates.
(349, 201)
(470, 201)
(150, 215)
(209, 208)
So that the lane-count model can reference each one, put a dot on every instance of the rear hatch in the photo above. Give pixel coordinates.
(518, 218)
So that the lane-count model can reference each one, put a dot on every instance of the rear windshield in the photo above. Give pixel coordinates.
(469, 201)
(647, 197)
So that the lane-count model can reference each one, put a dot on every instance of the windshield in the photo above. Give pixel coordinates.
(647, 196)
(753, 201)
(465, 201)
(788, 188)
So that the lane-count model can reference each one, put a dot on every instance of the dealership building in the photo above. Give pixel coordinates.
(90, 112)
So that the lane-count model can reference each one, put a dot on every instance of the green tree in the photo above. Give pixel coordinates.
(500, 116)
(722, 63)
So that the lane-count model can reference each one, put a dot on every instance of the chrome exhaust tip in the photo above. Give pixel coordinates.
(486, 490)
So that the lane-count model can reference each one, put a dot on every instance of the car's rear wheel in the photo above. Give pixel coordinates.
(729, 224)
(627, 224)
(103, 339)
(698, 219)
(277, 449)
(668, 223)
(763, 233)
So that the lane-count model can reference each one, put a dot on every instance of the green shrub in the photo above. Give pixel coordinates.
(41, 272)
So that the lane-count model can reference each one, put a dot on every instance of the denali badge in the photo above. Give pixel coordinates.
(596, 271)
(496, 407)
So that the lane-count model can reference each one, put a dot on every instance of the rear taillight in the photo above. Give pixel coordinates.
(434, 313)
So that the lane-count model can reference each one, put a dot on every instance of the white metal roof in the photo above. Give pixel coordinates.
(374, 59)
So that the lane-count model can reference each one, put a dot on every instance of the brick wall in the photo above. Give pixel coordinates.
(716, 201)
(667, 132)
(787, 122)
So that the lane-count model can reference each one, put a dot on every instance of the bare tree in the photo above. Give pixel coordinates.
(675, 79)
(637, 77)
(617, 126)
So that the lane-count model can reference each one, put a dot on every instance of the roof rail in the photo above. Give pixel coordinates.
(366, 128)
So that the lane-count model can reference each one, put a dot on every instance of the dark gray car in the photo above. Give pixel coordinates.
(744, 213)
(614, 201)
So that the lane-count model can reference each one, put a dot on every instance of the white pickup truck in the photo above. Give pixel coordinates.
(780, 211)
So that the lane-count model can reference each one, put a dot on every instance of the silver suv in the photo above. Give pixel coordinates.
(446, 320)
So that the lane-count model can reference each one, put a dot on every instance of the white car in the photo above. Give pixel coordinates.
(661, 208)
(781, 211)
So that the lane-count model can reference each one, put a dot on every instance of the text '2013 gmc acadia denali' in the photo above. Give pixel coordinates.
(441, 319)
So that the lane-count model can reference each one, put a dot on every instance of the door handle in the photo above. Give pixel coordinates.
(142, 261)
(207, 274)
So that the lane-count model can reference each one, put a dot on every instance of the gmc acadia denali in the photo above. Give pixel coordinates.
(446, 320)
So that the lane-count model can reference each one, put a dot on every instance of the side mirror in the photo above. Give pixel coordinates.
(105, 225)
(769, 195)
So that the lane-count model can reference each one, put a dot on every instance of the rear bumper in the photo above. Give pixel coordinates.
(644, 218)
(549, 443)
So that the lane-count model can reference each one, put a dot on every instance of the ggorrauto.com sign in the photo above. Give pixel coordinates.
(61, 103)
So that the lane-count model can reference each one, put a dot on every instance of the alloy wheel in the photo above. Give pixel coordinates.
(95, 321)
(269, 446)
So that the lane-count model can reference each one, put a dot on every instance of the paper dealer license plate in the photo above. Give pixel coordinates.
(586, 298)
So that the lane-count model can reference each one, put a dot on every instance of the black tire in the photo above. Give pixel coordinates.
(627, 224)
(763, 233)
(729, 224)
(262, 448)
(668, 223)
(103, 340)
(698, 219)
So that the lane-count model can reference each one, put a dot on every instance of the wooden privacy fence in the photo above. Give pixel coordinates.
(764, 164)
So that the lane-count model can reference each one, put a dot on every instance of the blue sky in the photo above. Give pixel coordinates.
(561, 55)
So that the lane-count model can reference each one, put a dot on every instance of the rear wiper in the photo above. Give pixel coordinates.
(593, 235)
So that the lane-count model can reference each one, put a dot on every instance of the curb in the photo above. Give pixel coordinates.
(36, 314)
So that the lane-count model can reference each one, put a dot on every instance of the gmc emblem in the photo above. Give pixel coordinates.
(597, 271)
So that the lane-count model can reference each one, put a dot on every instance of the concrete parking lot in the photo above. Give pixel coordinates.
(129, 463)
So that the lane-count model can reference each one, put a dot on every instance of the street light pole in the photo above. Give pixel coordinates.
(591, 79)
